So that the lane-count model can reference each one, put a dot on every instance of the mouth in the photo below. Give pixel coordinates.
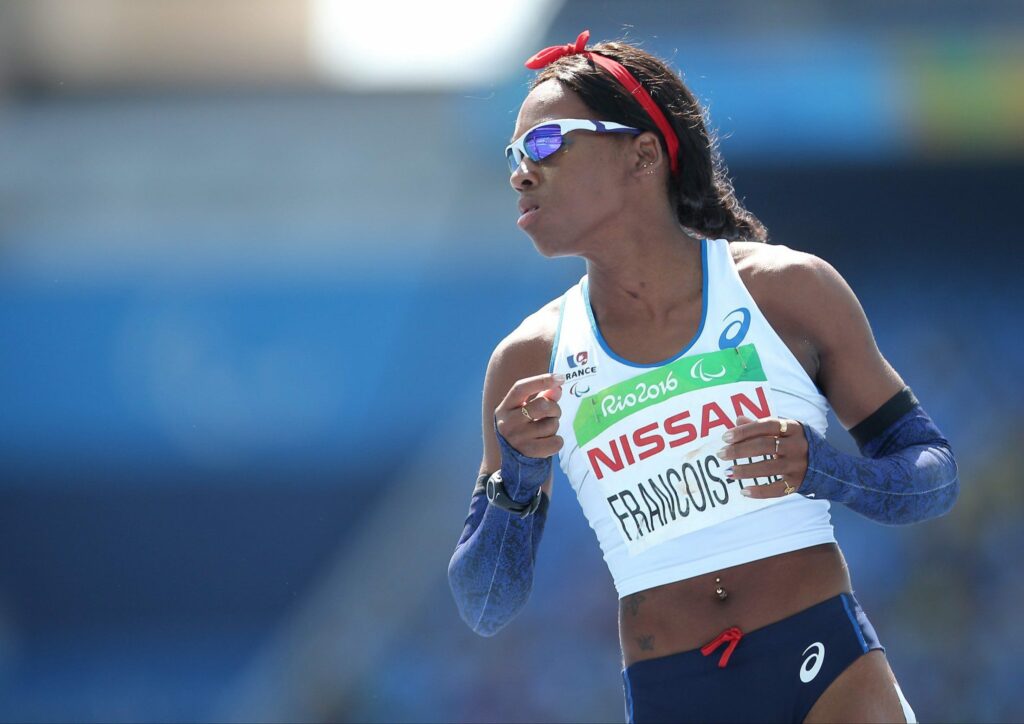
(526, 210)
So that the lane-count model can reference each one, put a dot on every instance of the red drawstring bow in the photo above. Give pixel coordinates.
(733, 636)
(549, 55)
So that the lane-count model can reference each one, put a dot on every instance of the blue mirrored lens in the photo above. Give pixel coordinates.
(513, 159)
(543, 141)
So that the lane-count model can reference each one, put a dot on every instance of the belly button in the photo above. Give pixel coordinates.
(719, 591)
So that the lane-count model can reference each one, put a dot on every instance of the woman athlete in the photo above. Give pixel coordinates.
(684, 384)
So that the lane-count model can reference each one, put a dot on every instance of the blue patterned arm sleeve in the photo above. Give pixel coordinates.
(908, 473)
(491, 572)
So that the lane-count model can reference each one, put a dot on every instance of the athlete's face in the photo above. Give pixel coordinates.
(569, 199)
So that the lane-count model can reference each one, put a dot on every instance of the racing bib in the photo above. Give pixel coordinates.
(651, 441)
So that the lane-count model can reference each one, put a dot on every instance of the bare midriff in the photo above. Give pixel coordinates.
(687, 614)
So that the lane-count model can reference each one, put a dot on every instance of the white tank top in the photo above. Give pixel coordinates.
(640, 440)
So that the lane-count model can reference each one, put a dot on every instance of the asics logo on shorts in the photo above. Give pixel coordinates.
(812, 664)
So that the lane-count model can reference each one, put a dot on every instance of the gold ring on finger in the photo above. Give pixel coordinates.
(789, 488)
(783, 426)
(526, 414)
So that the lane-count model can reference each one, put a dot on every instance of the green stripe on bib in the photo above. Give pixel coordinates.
(603, 409)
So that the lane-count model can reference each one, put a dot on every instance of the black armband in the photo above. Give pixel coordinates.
(879, 421)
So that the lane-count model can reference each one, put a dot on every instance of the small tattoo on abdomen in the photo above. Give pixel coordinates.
(646, 642)
(632, 603)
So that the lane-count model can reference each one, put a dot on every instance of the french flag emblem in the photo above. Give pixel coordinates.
(577, 360)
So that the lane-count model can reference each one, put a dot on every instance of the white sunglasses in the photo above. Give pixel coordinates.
(545, 138)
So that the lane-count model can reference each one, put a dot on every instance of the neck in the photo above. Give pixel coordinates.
(647, 277)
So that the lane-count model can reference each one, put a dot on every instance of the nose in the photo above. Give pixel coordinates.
(525, 175)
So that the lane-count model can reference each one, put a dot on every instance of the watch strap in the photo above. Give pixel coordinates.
(498, 496)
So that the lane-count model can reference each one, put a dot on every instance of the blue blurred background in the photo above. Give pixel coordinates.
(254, 256)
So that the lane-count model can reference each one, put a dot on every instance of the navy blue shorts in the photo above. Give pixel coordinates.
(773, 674)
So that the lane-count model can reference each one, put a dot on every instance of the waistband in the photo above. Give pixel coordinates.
(766, 640)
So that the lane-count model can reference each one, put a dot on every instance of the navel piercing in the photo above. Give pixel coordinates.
(719, 591)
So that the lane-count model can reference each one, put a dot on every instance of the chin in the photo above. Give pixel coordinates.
(549, 248)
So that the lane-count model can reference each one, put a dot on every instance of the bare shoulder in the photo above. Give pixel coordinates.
(526, 351)
(816, 313)
(793, 288)
(779, 265)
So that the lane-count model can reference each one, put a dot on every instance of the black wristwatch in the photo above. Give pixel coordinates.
(497, 495)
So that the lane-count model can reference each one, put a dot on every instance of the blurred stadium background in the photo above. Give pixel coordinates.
(254, 256)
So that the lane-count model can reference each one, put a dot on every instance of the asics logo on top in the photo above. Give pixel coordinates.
(697, 372)
(577, 360)
(736, 329)
(812, 664)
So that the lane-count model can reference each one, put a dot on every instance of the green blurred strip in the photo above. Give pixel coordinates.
(966, 96)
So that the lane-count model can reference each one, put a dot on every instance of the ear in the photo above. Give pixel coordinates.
(648, 155)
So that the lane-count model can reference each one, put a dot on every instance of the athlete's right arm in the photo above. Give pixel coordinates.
(491, 571)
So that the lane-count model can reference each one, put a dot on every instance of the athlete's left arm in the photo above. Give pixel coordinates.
(908, 472)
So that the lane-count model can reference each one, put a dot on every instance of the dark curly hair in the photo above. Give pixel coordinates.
(701, 192)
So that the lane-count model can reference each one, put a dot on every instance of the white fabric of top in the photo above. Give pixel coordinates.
(640, 440)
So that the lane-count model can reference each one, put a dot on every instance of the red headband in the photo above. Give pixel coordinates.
(625, 78)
